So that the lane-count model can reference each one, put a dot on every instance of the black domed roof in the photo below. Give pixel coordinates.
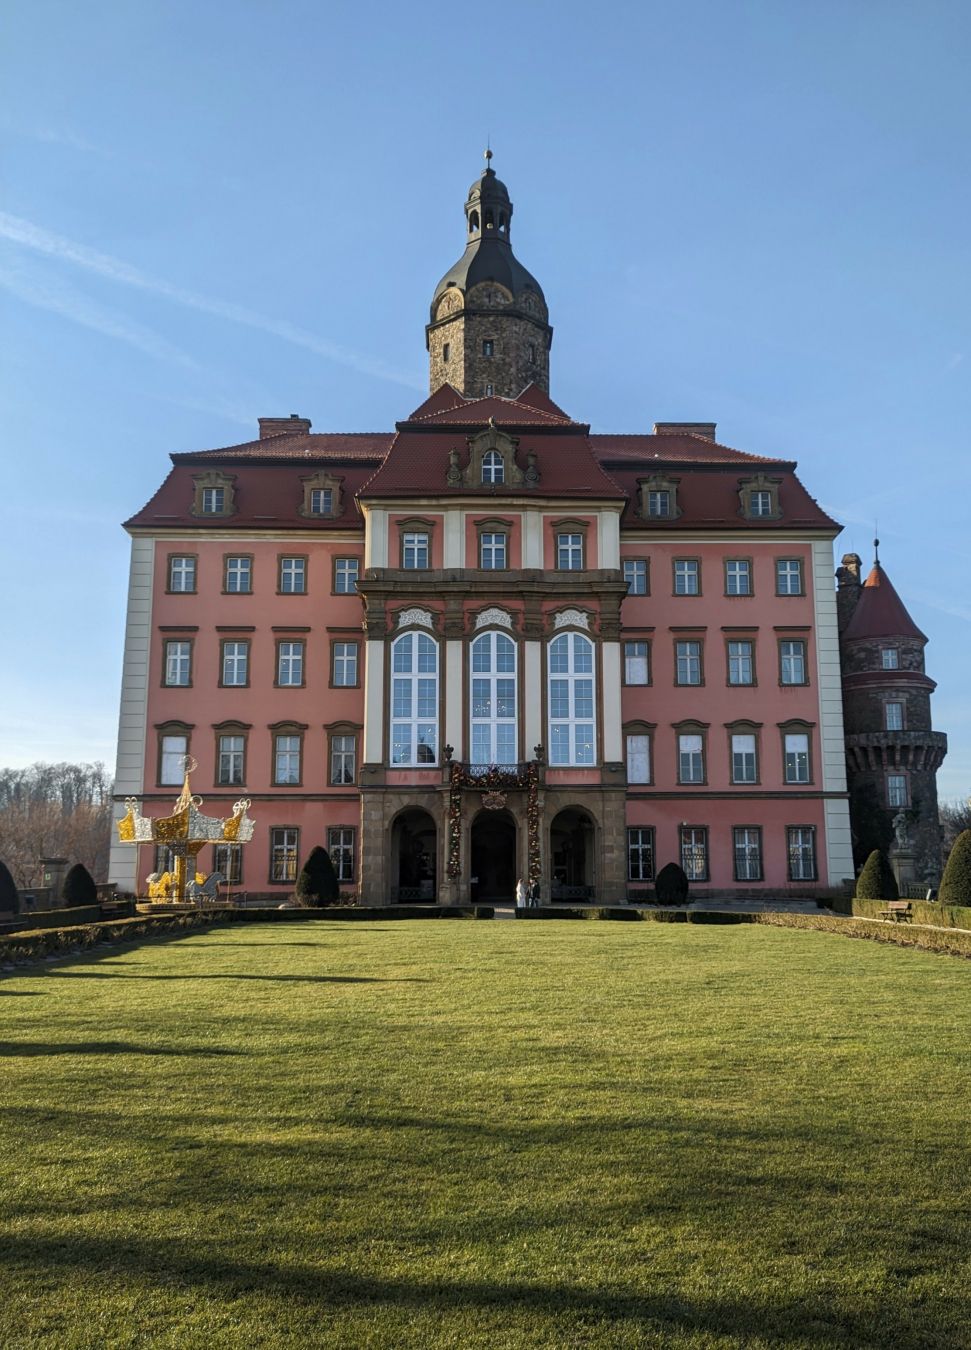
(488, 260)
(488, 185)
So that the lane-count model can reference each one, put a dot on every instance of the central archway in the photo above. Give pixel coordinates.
(493, 857)
(414, 844)
(572, 851)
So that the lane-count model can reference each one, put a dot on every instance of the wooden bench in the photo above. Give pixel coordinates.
(896, 910)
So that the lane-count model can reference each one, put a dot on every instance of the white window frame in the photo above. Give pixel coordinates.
(228, 859)
(745, 757)
(687, 576)
(659, 503)
(178, 664)
(290, 657)
(344, 673)
(284, 845)
(173, 749)
(640, 842)
(347, 573)
(293, 575)
(691, 757)
(493, 468)
(287, 754)
(898, 794)
(890, 658)
(688, 662)
(747, 852)
(759, 503)
(235, 672)
(239, 569)
(797, 763)
(415, 661)
(893, 721)
(741, 662)
(493, 699)
(231, 761)
(493, 551)
(182, 568)
(571, 676)
(792, 658)
(738, 576)
(787, 571)
(569, 551)
(637, 662)
(693, 848)
(213, 501)
(341, 845)
(635, 574)
(638, 757)
(321, 501)
(343, 760)
(801, 852)
(415, 550)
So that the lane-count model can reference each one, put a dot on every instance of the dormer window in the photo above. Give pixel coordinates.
(659, 502)
(321, 501)
(759, 498)
(214, 494)
(322, 495)
(659, 497)
(213, 501)
(493, 467)
(760, 503)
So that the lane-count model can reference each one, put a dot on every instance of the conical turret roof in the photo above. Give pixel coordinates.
(880, 612)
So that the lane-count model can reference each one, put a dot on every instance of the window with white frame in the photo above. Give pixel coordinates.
(796, 757)
(346, 571)
(290, 663)
(801, 848)
(345, 664)
(788, 576)
(691, 757)
(213, 501)
(178, 663)
(493, 467)
(172, 752)
(164, 858)
(239, 574)
(694, 852)
(687, 576)
(492, 700)
(414, 700)
(637, 668)
(340, 846)
(687, 662)
(232, 751)
(182, 572)
(897, 789)
(747, 850)
(321, 501)
(228, 859)
(759, 502)
(286, 759)
(894, 716)
(640, 854)
(638, 758)
(293, 576)
(569, 552)
(741, 662)
(635, 574)
(745, 764)
(343, 754)
(235, 663)
(659, 502)
(792, 662)
(571, 700)
(890, 658)
(283, 854)
(738, 576)
(414, 550)
(492, 551)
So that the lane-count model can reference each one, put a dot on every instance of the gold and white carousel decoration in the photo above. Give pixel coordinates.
(184, 833)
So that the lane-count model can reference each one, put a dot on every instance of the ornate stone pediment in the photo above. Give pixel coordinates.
(571, 618)
(409, 618)
(493, 618)
(503, 471)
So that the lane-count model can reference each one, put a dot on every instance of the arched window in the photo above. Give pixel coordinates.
(493, 700)
(489, 220)
(414, 700)
(502, 221)
(493, 468)
(474, 222)
(573, 737)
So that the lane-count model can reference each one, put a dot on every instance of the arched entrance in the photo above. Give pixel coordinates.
(492, 856)
(414, 846)
(572, 842)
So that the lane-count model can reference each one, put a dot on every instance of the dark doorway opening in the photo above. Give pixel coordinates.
(493, 857)
(572, 855)
(414, 844)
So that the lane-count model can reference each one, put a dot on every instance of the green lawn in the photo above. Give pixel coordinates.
(496, 1134)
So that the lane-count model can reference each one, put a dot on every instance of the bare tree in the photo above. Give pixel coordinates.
(55, 810)
(955, 817)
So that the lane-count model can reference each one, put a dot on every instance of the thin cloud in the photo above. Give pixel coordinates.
(28, 235)
(954, 362)
(66, 137)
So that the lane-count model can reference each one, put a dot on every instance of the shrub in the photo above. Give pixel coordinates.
(877, 881)
(671, 887)
(956, 881)
(79, 887)
(9, 895)
(317, 884)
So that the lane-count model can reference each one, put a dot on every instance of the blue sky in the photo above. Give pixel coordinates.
(749, 213)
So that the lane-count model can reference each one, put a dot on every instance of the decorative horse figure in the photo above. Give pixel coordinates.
(160, 885)
(208, 890)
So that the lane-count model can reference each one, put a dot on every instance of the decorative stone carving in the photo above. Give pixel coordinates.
(454, 476)
(571, 618)
(410, 617)
(494, 616)
(901, 830)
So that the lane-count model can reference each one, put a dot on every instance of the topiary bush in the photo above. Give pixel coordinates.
(9, 895)
(317, 884)
(876, 880)
(955, 886)
(671, 887)
(79, 887)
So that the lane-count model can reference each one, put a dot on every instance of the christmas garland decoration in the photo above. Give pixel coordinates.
(493, 778)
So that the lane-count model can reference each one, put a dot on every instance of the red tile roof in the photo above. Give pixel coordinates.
(679, 447)
(363, 446)
(880, 612)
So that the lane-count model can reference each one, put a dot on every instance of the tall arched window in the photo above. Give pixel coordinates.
(573, 737)
(493, 700)
(493, 468)
(414, 699)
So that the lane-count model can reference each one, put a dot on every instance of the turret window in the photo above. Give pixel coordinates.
(446, 351)
(474, 222)
(890, 658)
(531, 351)
(488, 346)
(897, 789)
(493, 467)
(894, 716)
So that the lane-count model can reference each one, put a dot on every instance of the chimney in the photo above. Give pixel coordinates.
(294, 425)
(848, 587)
(705, 429)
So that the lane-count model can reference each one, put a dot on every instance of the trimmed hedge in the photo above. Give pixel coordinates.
(610, 912)
(876, 880)
(60, 918)
(956, 881)
(921, 911)
(945, 941)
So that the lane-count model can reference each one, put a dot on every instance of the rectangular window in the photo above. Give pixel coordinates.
(640, 854)
(792, 662)
(164, 859)
(894, 716)
(446, 351)
(890, 658)
(492, 552)
(687, 576)
(488, 347)
(346, 572)
(760, 503)
(741, 662)
(635, 574)
(283, 854)
(182, 572)
(235, 663)
(289, 663)
(796, 757)
(228, 859)
(687, 662)
(747, 848)
(638, 759)
(738, 576)
(636, 663)
(172, 753)
(213, 501)
(658, 502)
(801, 847)
(321, 501)
(286, 760)
(178, 663)
(897, 789)
(414, 551)
(293, 576)
(569, 552)
(745, 767)
(345, 664)
(788, 576)
(694, 852)
(691, 759)
(342, 760)
(340, 846)
(239, 575)
(232, 750)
